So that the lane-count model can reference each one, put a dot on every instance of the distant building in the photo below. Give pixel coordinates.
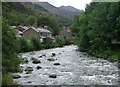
(45, 34)
(66, 33)
(28, 32)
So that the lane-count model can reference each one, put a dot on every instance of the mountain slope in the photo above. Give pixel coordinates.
(65, 11)
(70, 8)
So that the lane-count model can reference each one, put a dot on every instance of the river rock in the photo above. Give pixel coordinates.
(16, 76)
(38, 67)
(42, 56)
(56, 63)
(53, 76)
(51, 59)
(53, 54)
(33, 58)
(29, 69)
(26, 76)
(28, 72)
(36, 61)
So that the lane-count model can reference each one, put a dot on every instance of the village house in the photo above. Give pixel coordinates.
(66, 33)
(30, 33)
(43, 34)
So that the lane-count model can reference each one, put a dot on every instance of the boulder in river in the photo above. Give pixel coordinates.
(28, 69)
(53, 54)
(32, 58)
(36, 61)
(56, 63)
(16, 76)
(42, 56)
(38, 67)
(28, 72)
(24, 60)
(53, 76)
(51, 59)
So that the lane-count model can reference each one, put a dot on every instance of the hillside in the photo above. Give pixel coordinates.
(18, 12)
(64, 11)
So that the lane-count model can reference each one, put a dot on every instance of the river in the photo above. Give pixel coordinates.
(72, 68)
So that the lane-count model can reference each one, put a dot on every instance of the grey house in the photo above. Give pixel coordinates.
(66, 33)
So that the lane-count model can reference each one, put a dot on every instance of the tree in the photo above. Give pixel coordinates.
(31, 20)
(98, 27)
(49, 21)
(9, 49)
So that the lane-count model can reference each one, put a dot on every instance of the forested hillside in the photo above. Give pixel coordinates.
(65, 11)
(21, 12)
(98, 30)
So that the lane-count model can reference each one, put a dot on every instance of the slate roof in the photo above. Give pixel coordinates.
(43, 30)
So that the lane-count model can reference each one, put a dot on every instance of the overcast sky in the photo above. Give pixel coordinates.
(79, 4)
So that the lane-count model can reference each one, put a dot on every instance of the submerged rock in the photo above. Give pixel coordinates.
(29, 69)
(42, 56)
(36, 61)
(51, 59)
(53, 54)
(38, 67)
(26, 76)
(16, 76)
(53, 76)
(33, 58)
(28, 72)
(56, 63)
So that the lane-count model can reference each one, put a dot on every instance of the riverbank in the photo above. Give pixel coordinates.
(66, 66)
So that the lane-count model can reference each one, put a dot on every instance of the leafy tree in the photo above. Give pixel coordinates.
(51, 22)
(98, 27)
(36, 43)
(9, 50)
(24, 45)
(31, 20)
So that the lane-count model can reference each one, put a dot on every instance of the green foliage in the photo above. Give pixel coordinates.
(98, 27)
(31, 20)
(9, 54)
(23, 45)
(51, 22)
(36, 43)
(60, 42)
(7, 79)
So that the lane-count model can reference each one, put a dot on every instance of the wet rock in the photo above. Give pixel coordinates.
(53, 76)
(36, 61)
(29, 69)
(56, 63)
(59, 53)
(33, 58)
(51, 59)
(38, 67)
(16, 76)
(42, 56)
(29, 82)
(53, 54)
(26, 76)
(28, 72)
(25, 60)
